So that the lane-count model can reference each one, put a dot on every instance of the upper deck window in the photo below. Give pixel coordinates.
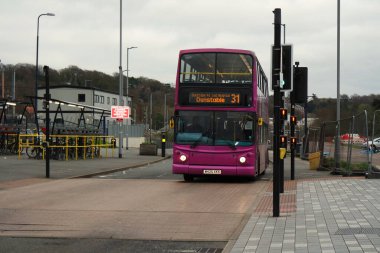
(216, 68)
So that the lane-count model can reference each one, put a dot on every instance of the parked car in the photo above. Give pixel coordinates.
(375, 144)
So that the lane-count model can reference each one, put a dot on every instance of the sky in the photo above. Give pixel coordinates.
(86, 33)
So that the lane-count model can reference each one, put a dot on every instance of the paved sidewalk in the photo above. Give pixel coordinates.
(13, 169)
(336, 214)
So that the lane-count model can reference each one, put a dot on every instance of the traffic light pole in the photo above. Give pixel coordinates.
(282, 132)
(277, 104)
(47, 122)
(292, 130)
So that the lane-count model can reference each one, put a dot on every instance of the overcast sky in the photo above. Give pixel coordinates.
(85, 33)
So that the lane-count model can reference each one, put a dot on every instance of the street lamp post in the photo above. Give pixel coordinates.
(120, 84)
(126, 136)
(2, 81)
(36, 83)
(337, 141)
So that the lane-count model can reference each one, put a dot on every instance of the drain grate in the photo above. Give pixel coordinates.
(201, 250)
(352, 231)
(210, 250)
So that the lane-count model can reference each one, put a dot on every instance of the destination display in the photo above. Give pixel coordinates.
(217, 98)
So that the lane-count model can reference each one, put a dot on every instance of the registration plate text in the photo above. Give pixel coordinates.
(212, 172)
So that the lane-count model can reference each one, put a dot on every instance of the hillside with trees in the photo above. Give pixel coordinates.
(139, 88)
(324, 109)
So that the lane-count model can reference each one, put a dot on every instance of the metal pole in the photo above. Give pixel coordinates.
(36, 81)
(284, 25)
(292, 127)
(150, 117)
(47, 119)
(14, 85)
(292, 130)
(14, 92)
(165, 113)
(120, 87)
(277, 104)
(337, 142)
(128, 91)
(2, 81)
(127, 103)
(306, 141)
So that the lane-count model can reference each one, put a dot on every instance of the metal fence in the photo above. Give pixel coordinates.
(313, 140)
(137, 130)
(373, 146)
(350, 156)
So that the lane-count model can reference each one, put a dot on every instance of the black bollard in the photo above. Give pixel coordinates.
(163, 143)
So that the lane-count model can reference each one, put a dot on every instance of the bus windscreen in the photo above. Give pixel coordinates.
(213, 128)
(216, 68)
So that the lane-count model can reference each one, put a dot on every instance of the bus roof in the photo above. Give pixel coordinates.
(216, 50)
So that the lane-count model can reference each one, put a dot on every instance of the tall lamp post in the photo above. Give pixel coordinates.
(337, 141)
(121, 101)
(2, 81)
(36, 84)
(127, 103)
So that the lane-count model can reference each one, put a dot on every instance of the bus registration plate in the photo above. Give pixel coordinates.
(212, 172)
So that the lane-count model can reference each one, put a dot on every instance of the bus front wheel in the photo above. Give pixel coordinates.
(188, 178)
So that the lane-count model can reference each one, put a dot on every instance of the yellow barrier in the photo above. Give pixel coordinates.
(71, 146)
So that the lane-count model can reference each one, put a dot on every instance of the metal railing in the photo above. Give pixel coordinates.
(65, 147)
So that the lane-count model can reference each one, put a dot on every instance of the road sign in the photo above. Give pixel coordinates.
(120, 112)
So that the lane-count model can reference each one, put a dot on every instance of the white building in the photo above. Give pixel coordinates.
(80, 96)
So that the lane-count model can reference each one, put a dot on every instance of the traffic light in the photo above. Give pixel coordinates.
(286, 74)
(283, 141)
(293, 142)
(287, 68)
(300, 85)
(283, 114)
(293, 120)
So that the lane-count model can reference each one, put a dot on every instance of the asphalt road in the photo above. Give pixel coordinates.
(90, 200)
(144, 209)
(161, 170)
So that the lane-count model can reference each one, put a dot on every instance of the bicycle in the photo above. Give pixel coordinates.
(35, 151)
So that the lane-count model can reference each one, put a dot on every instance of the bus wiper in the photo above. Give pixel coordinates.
(232, 145)
(196, 142)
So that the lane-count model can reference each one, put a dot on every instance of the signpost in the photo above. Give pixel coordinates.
(120, 112)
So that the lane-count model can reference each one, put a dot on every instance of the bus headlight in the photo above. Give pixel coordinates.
(242, 159)
(183, 158)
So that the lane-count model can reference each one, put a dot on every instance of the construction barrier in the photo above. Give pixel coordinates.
(314, 160)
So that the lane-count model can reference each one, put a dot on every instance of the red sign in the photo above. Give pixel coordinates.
(120, 112)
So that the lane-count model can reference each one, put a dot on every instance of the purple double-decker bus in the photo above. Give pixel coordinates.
(221, 114)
